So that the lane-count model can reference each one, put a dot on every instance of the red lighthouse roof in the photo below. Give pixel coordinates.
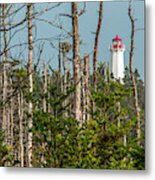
(117, 38)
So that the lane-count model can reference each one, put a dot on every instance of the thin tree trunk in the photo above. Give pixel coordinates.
(118, 105)
(87, 87)
(135, 93)
(1, 70)
(9, 114)
(4, 119)
(96, 43)
(44, 106)
(83, 93)
(11, 118)
(69, 99)
(20, 114)
(49, 84)
(44, 89)
(64, 79)
(30, 81)
(59, 67)
(65, 72)
(76, 63)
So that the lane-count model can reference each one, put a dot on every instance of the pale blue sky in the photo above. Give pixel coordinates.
(115, 21)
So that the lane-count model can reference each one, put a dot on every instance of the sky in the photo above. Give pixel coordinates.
(115, 21)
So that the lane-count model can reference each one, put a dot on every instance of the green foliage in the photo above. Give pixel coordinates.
(56, 139)
(5, 152)
(106, 141)
(60, 141)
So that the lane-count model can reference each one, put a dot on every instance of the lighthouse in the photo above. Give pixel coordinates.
(117, 59)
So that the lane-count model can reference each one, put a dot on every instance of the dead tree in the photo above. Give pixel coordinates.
(118, 107)
(76, 62)
(11, 112)
(96, 43)
(135, 93)
(69, 84)
(48, 94)
(64, 63)
(44, 88)
(59, 67)
(30, 83)
(5, 124)
(86, 97)
(44, 104)
(83, 94)
(1, 76)
(65, 48)
(21, 138)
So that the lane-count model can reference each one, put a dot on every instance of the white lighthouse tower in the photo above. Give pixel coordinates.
(117, 58)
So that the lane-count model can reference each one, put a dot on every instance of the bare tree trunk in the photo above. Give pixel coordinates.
(30, 81)
(49, 84)
(44, 89)
(96, 43)
(44, 106)
(65, 71)
(59, 67)
(65, 78)
(69, 99)
(87, 87)
(4, 118)
(135, 93)
(83, 93)
(76, 63)
(1, 73)
(20, 114)
(118, 105)
(11, 116)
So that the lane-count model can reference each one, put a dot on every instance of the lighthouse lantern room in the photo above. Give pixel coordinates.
(117, 58)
